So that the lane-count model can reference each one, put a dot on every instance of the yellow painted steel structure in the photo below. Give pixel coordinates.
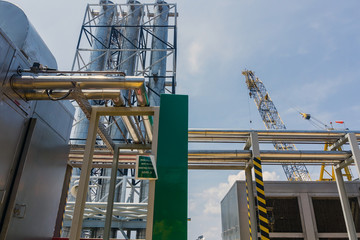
(261, 201)
(331, 175)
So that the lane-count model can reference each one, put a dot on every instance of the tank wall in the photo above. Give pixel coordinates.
(35, 190)
(23, 35)
(42, 178)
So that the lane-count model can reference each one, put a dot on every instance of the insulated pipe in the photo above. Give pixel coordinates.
(272, 156)
(127, 59)
(89, 94)
(93, 87)
(234, 156)
(98, 57)
(102, 36)
(83, 82)
(130, 39)
(158, 58)
(267, 136)
(86, 83)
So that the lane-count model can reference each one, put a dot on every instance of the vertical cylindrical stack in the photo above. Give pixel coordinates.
(129, 38)
(97, 63)
(158, 55)
(129, 41)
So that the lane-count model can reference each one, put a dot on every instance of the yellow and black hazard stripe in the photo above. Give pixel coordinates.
(248, 206)
(263, 220)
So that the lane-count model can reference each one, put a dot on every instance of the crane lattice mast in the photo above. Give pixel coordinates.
(272, 120)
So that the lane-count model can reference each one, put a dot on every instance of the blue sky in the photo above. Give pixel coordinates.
(305, 52)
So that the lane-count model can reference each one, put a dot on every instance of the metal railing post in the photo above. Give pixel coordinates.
(110, 202)
(349, 222)
(76, 225)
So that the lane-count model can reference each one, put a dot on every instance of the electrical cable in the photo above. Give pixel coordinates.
(249, 109)
(50, 92)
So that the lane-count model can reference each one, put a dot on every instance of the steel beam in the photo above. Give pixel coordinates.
(349, 222)
(269, 136)
(151, 197)
(251, 203)
(355, 150)
(76, 225)
(110, 202)
(125, 111)
(121, 224)
(252, 142)
(307, 216)
(96, 112)
(345, 163)
(335, 146)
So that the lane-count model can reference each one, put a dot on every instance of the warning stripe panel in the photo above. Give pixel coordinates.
(263, 220)
(248, 205)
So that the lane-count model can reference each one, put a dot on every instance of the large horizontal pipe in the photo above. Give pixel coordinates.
(167, 83)
(199, 135)
(235, 157)
(89, 94)
(209, 166)
(271, 156)
(25, 84)
(93, 87)
(92, 94)
(84, 82)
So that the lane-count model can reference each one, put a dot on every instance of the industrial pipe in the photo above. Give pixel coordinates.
(270, 156)
(89, 94)
(158, 58)
(234, 156)
(200, 135)
(83, 82)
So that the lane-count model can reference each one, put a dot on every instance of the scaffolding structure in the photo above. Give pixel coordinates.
(141, 50)
(132, 39)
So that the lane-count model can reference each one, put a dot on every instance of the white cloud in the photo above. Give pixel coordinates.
(195, 52)
(213, 233)
(214, 195)
(192, 205)
(270, 176)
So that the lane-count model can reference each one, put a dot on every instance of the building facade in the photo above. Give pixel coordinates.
(296, 210)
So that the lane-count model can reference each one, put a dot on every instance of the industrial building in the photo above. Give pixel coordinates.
(125, 59)
(296, 210)
(96, 151)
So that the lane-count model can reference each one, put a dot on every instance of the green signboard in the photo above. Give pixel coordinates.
(145, 168)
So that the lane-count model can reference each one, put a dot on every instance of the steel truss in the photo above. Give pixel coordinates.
(244, 159)
(114, 48)
(110, 209)
(272, 120)
(233, 159)
(96, 202)
(123, 56)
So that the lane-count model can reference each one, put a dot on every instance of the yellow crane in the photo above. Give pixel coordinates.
(325, 174)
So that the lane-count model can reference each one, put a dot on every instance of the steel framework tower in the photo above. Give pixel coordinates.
(131, 39)
(272, 120)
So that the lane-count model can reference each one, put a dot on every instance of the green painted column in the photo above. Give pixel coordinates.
(171, 189)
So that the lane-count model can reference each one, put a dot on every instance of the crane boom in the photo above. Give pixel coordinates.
(272, 120)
